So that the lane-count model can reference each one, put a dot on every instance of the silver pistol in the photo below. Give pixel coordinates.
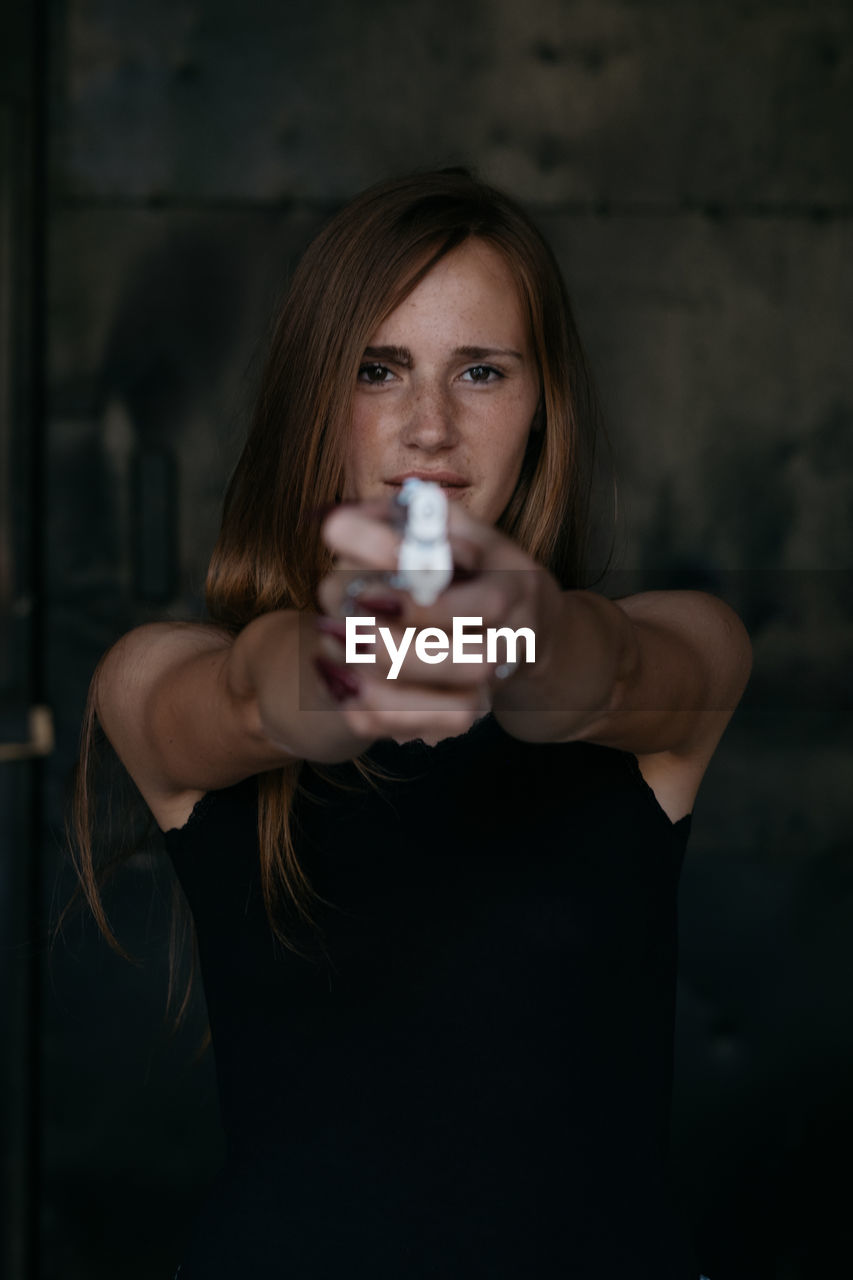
(425, 560)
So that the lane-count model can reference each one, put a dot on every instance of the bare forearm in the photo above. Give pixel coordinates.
(270, 669)
(587, 657)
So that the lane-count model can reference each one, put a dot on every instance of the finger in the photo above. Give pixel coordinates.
(331, 593)
(490, 596)
(380, 711)
(350, 588)
(364, 529)
(396, 631)
(371, 529)
(472, 539)
(397, 656)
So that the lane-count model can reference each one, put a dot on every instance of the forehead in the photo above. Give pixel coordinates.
(471, 285)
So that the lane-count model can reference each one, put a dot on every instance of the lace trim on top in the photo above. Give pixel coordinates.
(634, 766)
(200, 806)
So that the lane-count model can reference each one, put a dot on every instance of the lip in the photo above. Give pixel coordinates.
(452, 478)
(453, 492)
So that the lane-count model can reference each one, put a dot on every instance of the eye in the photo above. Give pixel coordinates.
(374, 374)
(484, 373)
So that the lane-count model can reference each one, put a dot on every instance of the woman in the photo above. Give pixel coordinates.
(459, 1061)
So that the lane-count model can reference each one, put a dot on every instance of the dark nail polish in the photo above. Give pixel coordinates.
(331, 627)
(338, 681)
(387, 608)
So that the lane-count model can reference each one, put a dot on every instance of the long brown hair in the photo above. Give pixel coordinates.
(269, 554)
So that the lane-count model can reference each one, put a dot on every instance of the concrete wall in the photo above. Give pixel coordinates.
(691, 165)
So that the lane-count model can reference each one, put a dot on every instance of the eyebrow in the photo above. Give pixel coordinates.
(403, 356)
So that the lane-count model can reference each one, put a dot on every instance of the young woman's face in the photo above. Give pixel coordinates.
(448, 387)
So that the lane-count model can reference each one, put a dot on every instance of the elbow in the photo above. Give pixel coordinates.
(743, 656)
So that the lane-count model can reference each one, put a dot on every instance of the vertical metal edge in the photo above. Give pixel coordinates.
(16, 794)
(22, 116)
(6, 286)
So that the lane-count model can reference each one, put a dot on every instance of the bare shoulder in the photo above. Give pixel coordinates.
(132, 667)
(674, 779)
(708, 660)
(149, 661)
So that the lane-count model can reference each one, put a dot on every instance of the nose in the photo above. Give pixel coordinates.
(430, 421)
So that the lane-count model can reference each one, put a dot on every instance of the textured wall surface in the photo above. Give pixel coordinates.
(691, 165)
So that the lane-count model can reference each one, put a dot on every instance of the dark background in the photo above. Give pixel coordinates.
(162, 164)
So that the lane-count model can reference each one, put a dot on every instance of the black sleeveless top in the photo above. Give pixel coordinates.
(472, 1076)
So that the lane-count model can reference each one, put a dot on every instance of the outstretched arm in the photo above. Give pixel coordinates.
(658, 671)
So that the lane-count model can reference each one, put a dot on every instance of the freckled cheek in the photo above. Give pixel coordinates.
(354, 454)
(369, 425)
(368, 445)
(503, 434)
